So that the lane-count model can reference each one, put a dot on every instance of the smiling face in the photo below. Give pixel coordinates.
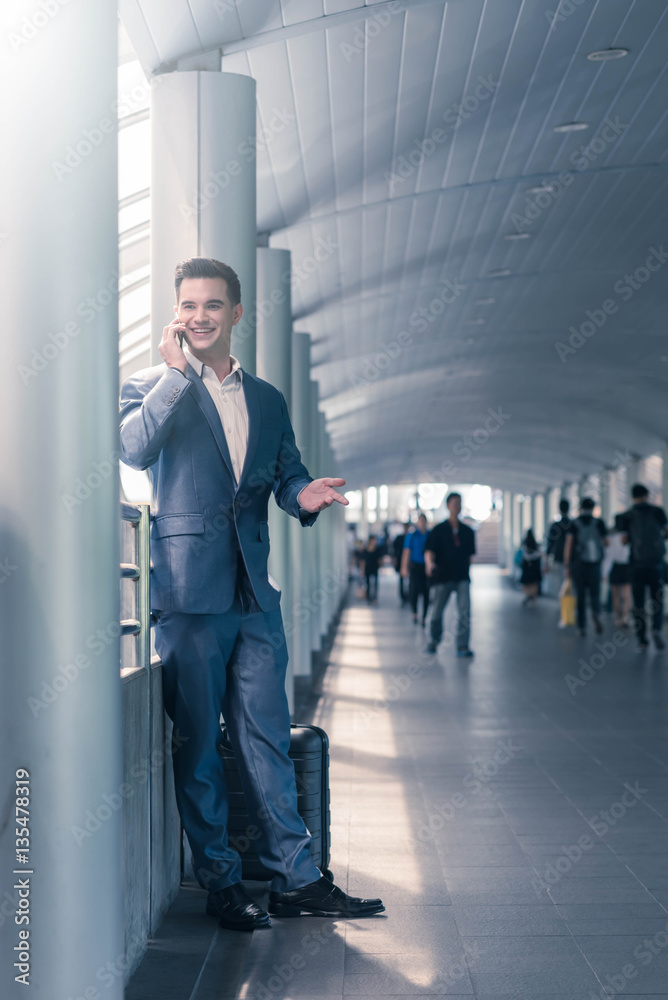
(204, 306)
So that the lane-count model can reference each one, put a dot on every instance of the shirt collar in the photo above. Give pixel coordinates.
(199, 366)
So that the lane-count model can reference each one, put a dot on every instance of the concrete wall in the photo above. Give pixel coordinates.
(151, 826)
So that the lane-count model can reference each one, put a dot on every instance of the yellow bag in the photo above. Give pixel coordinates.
(568, 603)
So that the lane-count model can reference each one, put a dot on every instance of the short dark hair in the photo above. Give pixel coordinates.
(638, 491)
(564, 506)
(207, 267)
(587, 503)
(451, 496)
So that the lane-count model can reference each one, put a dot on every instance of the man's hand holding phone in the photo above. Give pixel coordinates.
(171, 346)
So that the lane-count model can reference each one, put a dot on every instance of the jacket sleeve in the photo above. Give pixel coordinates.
(147, 413)
(291, 475)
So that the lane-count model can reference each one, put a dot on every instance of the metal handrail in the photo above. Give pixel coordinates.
(139, 516)
(130, 511)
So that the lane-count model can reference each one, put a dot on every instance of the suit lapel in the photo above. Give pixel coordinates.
(254, 420)
(208, 408)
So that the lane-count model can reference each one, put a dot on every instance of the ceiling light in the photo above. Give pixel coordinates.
(571, 127)
(603, 54)
(485, 302)
(499, 272)
(517, 236)
(540, 188)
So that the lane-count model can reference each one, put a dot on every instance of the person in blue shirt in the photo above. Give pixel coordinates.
(413, 568)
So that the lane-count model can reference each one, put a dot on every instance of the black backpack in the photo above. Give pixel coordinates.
(589, 546)
(646, 536)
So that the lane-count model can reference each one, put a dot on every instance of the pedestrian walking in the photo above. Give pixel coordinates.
(413, 569)
(644, 527)
(583, 554)
(448, 551)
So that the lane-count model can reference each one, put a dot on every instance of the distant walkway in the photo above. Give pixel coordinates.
(513, 821)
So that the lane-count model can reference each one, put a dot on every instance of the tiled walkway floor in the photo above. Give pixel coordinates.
(515, 828)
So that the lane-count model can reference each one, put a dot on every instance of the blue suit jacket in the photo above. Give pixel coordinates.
(200, 519)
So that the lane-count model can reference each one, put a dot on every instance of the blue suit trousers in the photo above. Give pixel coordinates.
(234, 662)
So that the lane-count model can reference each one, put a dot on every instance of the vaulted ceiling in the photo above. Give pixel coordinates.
(461, 236)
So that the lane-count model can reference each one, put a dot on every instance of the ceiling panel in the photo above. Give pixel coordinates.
(350, 171)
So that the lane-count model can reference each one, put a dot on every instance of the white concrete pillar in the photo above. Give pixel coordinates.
(538, 516)
(664, 476)
(60, 711)
(317, 541)
(363, 524)
(274, 364)
(571, 493)
(633, 475)
(506, 546)
(527, 514)
(203, 191)
(302, 539)
(325, 530)
(517, 522)
(607, 484)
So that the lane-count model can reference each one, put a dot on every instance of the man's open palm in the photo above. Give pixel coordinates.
(320, 494)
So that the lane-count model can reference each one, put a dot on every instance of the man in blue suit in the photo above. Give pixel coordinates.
(217, 442)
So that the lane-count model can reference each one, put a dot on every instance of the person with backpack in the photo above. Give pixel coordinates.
(583, 555)
(556, 543)
(644, 527)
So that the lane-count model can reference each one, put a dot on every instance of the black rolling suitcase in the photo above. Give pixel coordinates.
(309, 751)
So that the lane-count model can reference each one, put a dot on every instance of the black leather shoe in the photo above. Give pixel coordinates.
(324, 900)
(236, 910)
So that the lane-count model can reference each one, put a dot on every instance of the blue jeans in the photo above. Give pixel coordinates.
(440, 595)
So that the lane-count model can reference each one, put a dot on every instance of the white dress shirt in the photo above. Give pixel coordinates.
(230, 402)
